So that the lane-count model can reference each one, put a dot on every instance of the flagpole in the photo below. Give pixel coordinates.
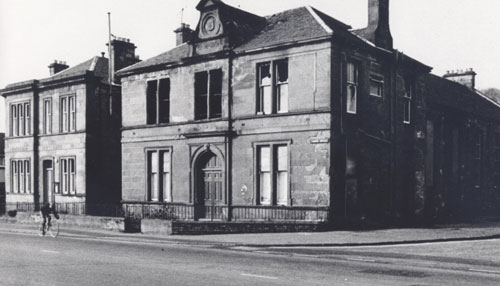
(111, 73)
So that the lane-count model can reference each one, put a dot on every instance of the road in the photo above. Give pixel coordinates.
(27, 259)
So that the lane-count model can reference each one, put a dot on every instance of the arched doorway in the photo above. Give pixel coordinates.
(209, 187)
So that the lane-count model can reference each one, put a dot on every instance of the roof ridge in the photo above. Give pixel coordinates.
(93, 64)
(284, 11)
(132, 67)
(319, 20)
(486, 97)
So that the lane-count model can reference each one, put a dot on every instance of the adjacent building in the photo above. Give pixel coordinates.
(63, 137)
(462, 154)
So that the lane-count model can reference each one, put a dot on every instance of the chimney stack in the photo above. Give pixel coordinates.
(122, 54)
(183, 34)
(466, 77)
(57, 66)
(378, 30)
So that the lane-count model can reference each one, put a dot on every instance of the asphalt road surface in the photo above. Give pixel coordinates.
(28, 259)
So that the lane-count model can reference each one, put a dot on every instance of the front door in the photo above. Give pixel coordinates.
(210, 188)
(48, 181)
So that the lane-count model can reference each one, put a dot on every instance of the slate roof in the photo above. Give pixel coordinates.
(289, 26)
(98, 65)
(171, 56)
(295, 25)
(454, 95)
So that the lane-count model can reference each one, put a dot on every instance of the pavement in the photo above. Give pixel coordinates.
(442, 233)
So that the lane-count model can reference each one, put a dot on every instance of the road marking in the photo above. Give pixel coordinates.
(360, 259)
(50, 251)
(258, 276)
(485, 271)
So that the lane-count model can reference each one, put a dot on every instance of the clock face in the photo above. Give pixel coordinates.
(210, 26)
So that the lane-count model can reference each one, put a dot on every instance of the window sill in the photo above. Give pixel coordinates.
(19, 137)
(19, 194)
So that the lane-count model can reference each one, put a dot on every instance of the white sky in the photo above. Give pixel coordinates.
(445, 34)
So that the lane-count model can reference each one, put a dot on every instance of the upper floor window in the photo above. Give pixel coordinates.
(68, 176)
(273, 87)
(2, 161)
(68, 113)
(20, 119)
(47, 116)
(159, 176)
(352, 88)
(272, 180)
(407, 98)
(377, 86)
(158, 101)
(20, 176)
(208, 94)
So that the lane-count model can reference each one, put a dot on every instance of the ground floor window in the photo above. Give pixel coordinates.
(159, 175)
(20, 176)
(273, 174)
(68, 177)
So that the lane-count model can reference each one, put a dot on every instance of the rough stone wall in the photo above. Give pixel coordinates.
(306, 127)
(134, 164)
(181, 93)
(309, 159)
(309, 79)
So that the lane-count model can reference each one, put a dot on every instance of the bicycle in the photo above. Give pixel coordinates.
(52, 229)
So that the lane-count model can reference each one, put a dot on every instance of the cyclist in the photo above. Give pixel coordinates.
(46, 211)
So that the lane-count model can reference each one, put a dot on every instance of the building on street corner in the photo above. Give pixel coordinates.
(286, 121)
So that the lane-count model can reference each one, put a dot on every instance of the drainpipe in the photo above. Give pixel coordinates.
(229, 140)
(36, 144)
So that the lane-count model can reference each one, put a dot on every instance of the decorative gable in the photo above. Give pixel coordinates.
(222, 27)
(210, 25)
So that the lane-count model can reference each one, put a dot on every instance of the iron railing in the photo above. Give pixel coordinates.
(279, 213)
(180, 211)
(183, 212)
(80, 208)
(166, 211)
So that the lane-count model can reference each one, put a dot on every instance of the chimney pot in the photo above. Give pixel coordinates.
(183, 34)
(57, 66)
(122, 55)
(465, 77)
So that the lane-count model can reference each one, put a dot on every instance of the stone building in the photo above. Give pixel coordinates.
(291, 117)
(462, 158)
(63, 137)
